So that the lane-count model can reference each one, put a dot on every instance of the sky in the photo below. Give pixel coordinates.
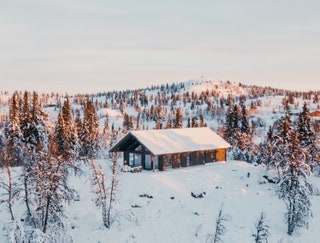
(79, 46)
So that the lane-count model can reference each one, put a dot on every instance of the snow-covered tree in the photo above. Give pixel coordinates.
(295, 190)
(105, 197)
(220, 228)
(8, 186)
(261, 233)
(113, 187)
(13, 133)
(52, 189)
(304, 126)
(244, 128)
(90, 131)
(65, 133)
(100, 190)
(178, 120)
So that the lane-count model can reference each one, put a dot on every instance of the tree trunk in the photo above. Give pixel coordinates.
(10, 190)
(26, 197)
(45, 223)
(104, 213)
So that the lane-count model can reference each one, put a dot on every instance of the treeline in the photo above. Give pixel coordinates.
(47, 153)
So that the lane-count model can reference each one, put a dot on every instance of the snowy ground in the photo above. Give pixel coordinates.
(172, 215)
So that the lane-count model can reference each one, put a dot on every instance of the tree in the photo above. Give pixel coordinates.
(201, 121)
(244, 128)
(51, 189)
(90, 133)
(178, 120)
(34, 129)
(220, 228)
(65, 133)
(113, 187)
(13, 133)
(194, 122)
(138, 127)
(261, 233)
(295, 190)
(9, 186)
(304, 127)
(99, 188)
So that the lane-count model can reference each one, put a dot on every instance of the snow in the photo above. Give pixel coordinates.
(183, 218)
(207, 84)
(169, 141)
(172, 215)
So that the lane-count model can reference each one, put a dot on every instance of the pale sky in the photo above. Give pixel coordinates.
(78, 46)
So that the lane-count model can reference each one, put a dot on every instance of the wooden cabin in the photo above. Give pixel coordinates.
(171, 148)
(315, 117)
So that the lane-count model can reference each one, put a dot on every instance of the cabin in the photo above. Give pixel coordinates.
(315, 117)
(171, 148)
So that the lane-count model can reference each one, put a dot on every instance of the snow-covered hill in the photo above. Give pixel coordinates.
(158, 206)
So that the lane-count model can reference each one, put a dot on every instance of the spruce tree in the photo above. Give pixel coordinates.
(178, 120)
(304, 127)
(244, 128)
(90, 133)
(66, 134)
(295, 190)
(14, 134)
(261, 233)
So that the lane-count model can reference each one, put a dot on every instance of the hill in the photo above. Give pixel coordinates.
(158, 206)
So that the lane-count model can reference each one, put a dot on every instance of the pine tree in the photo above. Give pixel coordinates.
(9, 186)
(236, 117)
(13, 133)
(34, 127)
(194, 122)
(244, 128)
(66, 134)
(220, 228)
(90, 134)
(113, 188)
(201, 121)
(138, 127)
(228, 128)
(304, 127)
(262, 230)
(188, 123)
(178, 120)
(295, 190)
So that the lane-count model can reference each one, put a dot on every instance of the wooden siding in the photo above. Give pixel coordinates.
(178, 160)
(221, 155)
(161, 163)
(210, 156)
(183, 159)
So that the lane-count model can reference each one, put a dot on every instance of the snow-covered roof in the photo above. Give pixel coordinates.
(315, 114)
(170, 141)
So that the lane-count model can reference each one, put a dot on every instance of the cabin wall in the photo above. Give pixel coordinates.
(176, 162)
(210, 156)
(183, 159)
(221, 155)
(197, 158)
(163, 162)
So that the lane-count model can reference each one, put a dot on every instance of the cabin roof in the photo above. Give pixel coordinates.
(170, 141)
(315, 113)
